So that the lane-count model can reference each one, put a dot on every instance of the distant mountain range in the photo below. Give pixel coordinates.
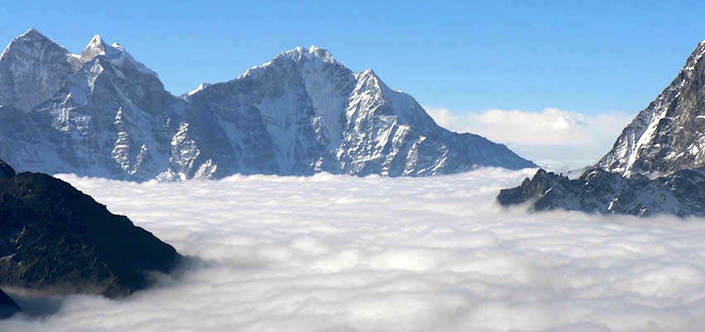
(657, 164)
(102, 113)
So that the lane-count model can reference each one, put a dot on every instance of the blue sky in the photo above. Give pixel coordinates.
(584, 56)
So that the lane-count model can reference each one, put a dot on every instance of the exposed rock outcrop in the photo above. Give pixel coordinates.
(55, 239)
(598, 191)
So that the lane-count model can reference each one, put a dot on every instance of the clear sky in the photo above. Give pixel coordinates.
(585, 56)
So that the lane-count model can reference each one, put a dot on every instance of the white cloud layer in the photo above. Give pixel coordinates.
(551, 138)
(338, 253)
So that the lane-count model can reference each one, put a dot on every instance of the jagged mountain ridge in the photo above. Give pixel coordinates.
(681, 193)
(104, 114)
(669, 134)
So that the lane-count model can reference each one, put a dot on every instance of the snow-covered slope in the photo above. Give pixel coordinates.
(669, 135)
(102, 113)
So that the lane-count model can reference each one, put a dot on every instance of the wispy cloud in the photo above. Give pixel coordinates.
(340, 253)
(552, 137)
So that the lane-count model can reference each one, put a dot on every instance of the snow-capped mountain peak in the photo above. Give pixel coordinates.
(32, 33)
(296, 57)
(94, 48)
(300, 113)
(695, 57)
(321, 53)
(115, 53)
(32, 69)
(368, 80)
(369, 72)
(31, 41)
(312, 53)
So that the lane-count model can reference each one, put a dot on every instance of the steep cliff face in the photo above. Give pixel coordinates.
(102, 113)
(655, 167)
(669, 135)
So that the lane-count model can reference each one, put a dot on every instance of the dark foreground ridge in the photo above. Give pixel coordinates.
(8, 307)
(598, 191)
(57, 240)
(6, 171)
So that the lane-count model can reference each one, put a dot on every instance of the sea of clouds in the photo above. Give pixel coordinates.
(340, 253)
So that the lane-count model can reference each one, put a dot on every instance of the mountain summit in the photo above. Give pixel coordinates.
(32, 69)
(102, 113)
(116, 53)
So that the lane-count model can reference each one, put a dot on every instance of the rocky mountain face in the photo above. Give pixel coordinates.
(655, 167)
(102, 113)
(55, 239)
(33, 69)
(681, 193)
(669, 135)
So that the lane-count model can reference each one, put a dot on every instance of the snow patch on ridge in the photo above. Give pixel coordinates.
(198, 89)
(115, 53)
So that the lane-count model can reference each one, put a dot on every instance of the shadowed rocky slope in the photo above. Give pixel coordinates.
(55, 239)
(597, 191)
(8, 307)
